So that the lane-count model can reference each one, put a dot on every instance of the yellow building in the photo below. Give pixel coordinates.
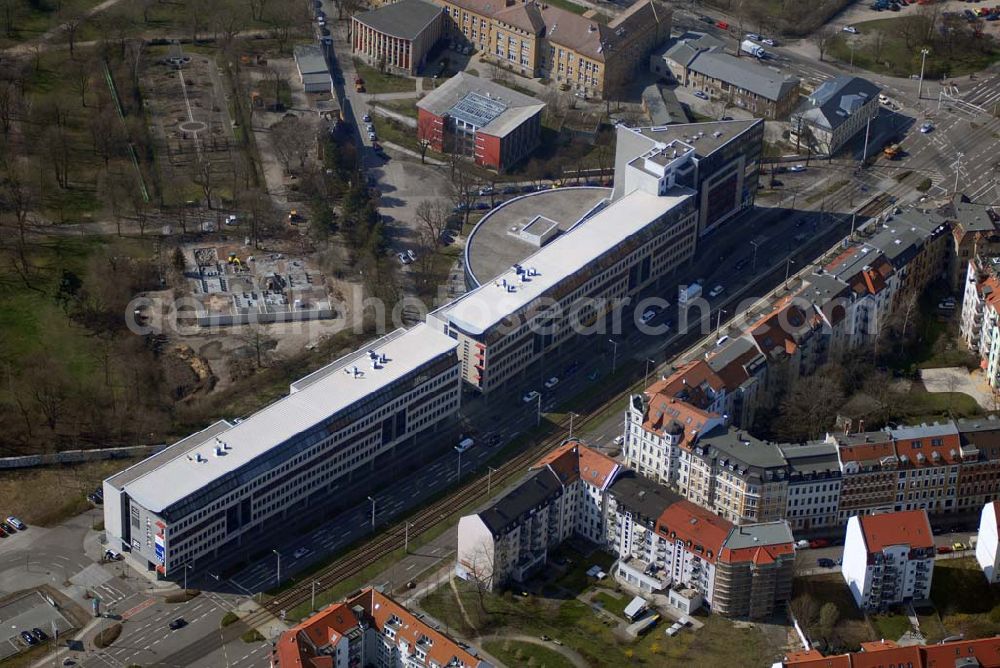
(538, 40)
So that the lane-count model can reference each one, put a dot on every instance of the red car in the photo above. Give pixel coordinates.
(722, 25)
(817, 543)
(944, 549)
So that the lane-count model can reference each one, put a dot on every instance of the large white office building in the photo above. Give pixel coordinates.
(210, 495)
(576, 279)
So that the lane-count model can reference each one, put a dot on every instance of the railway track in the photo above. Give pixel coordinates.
(392, 537)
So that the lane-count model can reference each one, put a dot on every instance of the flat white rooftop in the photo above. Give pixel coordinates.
(313, 399)
(490, 303)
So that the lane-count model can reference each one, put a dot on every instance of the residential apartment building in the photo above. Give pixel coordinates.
(980, 321)
(541, 305)
(216, 494)
(494, 125)
(834, 113)
(535, 39)
(564, 495)
(397, 37)
(724, 157)
(987, 552)
(369, 629)
(976, 234)
(980, 653)
(665, 545)
(699, 61)
(888, 559)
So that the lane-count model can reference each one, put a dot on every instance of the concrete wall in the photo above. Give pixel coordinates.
(77, 456)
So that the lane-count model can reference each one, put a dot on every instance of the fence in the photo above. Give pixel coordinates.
(78, 456)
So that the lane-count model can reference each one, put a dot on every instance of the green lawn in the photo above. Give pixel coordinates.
(515, 653)
(809, 594)
(382, 82)
(890, 626)
(613, 603)
(404, 107)
(964, 601)
(898, 59)
(575, 624)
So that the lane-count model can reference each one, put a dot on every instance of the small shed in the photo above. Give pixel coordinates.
(635, 608)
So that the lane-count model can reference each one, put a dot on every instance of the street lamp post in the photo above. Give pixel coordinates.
(753, 264)
(958, 167)
(645, 380)
(278, 573)
(406, 537)
(187, 567)
(571, 416)
(923, 61)
(312, 605)
(372, 499)
(868, 127)
(538, 409)
(614, 354)
(718, 322)
(788, 264)
(489, 478)
(459, 464)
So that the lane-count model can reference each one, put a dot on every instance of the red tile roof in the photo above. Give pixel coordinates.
(949, 451)
(763, 554)
(686, 521)
(906, 527)
(867, 452)
(296, 648)
(574, 461)
(886, 653)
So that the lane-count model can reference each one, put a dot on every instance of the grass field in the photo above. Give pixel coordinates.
(898, 59)
(575, 624)
(515, 653)
(965, 603)
(47, 495)
(851, 629)
(891, 625)
(380, 82)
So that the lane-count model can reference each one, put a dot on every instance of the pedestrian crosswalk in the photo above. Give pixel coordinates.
(985, 94)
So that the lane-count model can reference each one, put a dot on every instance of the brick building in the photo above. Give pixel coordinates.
(397, 36)
(466, 115)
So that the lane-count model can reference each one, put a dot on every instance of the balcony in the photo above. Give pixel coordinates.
(527, 563)
(643, 574)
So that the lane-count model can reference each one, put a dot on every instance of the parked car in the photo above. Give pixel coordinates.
(958, 546)
(716, 291)
(851, 29)
(112, 555)
(16, 523)
(768, 42)
(403, 258)
(93, 499)
(551, 382)
(797, 168)
(8, 528)
(301, 552)
(510, 190)
(825, 563)
(817, 543)
(648, 315)
(39, 634)
(486, 190)
(530, 396)
(700, 94)
(944, 549)
(178, 623)
(367, 118)
(28, 638)
(754, 36)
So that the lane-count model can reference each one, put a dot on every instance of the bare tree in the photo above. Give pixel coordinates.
(479, 566)
(462, 187)
(204, 176)
(432, 215)
(257, 339)
(824, 39)
(71, 22)
(425, 131)
(292, 138)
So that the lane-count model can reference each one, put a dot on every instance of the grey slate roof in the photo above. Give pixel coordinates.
(683, 49)
(463, 93)
(835, 100)
(813, 458)
(640, 494)
(972, 217)
(538, 488)
(744, 73)
(662, 105)
(309, 59)
(405, 19)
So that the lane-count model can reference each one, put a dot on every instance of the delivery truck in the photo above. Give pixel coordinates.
(753, 48)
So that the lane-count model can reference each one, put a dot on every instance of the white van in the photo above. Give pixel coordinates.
(465, 444)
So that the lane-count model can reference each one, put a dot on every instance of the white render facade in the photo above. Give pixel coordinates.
(892, 575)
(211, 495)
(813, 504)
(986, 546)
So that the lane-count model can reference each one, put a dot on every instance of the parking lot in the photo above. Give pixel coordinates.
(30, 611)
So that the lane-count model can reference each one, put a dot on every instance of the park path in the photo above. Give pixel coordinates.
(570, 655)
(24, 48)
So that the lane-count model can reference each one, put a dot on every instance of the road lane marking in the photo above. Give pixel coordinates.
(131, 612)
